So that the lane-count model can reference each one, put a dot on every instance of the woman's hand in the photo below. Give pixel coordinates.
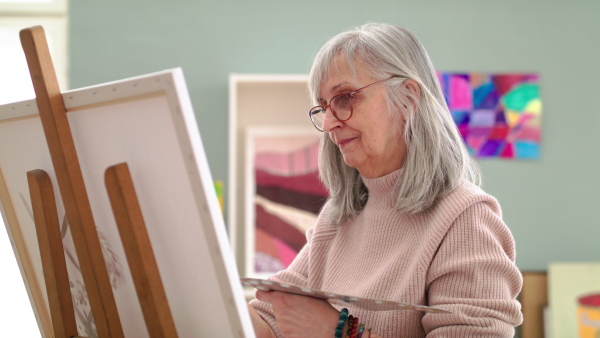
(300, 316)
(261, 329)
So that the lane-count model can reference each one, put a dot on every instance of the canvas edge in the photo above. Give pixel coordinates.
(207, 204)
(28, 274)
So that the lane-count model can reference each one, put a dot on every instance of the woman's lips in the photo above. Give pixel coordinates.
(345, 141)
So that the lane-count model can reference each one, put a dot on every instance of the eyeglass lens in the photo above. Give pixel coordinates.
(341, 107)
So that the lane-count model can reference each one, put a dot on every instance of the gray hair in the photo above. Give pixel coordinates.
(436, 157)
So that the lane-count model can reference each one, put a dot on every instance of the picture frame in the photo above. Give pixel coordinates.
(283, 195)
(265, 101)
(497, 114)
(147, 122)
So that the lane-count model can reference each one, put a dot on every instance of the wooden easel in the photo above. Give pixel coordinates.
(126, 210)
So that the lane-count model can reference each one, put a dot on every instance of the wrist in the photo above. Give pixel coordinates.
(345, 329)
(341, 327)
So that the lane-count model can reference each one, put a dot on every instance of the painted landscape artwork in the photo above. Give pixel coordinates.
(287, 196)
(498, 115)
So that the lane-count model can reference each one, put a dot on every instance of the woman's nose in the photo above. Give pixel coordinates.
(330, 121)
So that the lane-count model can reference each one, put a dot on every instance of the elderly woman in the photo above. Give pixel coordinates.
(405, 220)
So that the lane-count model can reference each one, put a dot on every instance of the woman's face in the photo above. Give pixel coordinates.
(369, 141)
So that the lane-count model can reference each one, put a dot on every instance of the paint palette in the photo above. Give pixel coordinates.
(334, 298)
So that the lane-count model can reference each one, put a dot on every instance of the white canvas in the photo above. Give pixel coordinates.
(147, 122)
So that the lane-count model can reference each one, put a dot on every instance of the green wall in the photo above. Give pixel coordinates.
(549, 204)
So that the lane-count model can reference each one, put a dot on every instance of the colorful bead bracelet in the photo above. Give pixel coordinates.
(340, 327)
(355, 330)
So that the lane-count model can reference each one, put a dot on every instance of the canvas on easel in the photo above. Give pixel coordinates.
(148, 123)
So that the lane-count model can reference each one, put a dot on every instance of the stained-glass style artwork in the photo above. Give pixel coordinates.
(498, 115)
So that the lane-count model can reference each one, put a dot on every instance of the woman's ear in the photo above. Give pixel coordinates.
(414, 93)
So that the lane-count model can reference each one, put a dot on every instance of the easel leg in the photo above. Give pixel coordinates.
(138, 250)
(70, 182)
(52, 253)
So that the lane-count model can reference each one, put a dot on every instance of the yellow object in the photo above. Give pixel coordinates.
(219, 190)
(512, 117)
(534, 107)
(588, 317)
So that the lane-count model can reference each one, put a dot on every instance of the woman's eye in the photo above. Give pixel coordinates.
(342, 101)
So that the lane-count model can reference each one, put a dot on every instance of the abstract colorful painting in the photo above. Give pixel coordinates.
(286, 196)
(498, 115)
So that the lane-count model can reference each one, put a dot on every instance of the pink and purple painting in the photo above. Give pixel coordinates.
(288, 196)
(498, 115)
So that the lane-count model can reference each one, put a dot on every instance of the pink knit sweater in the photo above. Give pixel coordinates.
(458, 256)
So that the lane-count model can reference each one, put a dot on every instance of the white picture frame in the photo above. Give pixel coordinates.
(257, 100)
(283, 195)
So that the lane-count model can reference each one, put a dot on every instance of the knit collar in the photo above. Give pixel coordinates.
(382, 188)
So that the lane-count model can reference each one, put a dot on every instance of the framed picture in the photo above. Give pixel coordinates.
(283, 195)
(498, 115)
(266, 101)
(147, 122)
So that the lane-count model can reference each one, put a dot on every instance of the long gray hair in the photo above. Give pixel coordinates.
(436, 157)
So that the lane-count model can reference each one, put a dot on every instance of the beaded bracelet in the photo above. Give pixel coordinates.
(351, 320)
(341, 323)
(361, 330)
(354, 328)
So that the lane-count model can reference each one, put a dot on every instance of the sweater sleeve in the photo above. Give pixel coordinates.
(295, 274)
(473, 275)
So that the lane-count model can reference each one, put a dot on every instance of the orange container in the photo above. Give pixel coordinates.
(588, 316)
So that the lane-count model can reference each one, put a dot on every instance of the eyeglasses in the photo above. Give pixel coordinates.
(340, 105)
